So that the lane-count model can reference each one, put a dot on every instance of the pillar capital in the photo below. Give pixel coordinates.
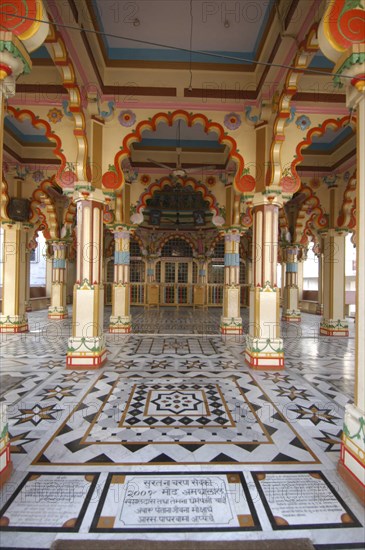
(84, 191)
(15, 60)
(270, 197)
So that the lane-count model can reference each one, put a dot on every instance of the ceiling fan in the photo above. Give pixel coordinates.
(179, 171)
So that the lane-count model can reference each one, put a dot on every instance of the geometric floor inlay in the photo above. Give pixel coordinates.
(177, 420)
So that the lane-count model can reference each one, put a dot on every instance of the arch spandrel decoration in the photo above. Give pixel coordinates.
(43, 209)
(311, 217)
(241, 184)
(347, 217)
(293, 183)
(166, 181)
(24, 114)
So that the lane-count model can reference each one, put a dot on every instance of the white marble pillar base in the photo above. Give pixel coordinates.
(334, 327)
(264, 353)
(86, 353)
(13, 323)
(352, 458)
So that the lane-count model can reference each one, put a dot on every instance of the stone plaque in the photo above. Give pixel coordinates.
(49, 502)
(175, 502)
(295, 500)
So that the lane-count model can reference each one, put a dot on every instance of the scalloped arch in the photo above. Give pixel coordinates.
(190, 119)
(310, 216)
(43, 208)
(163, 182)
(317, 131)
(173, 235)
(24, 114)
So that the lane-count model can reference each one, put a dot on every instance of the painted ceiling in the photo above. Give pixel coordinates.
(146, 26)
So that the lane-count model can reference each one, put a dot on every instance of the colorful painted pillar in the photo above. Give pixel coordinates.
(120, 319)
(291, 312)
(334, 322)
(5, 461)
(231, 320)
(264, 347)
(13, 317)
(58, 307)
(86, 347)
(337, 41)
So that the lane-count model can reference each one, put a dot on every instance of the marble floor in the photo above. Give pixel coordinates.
(175, 437)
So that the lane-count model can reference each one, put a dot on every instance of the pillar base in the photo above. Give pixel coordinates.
(6, 473)
(332, 327)
(57, 313)
(231, 325)
(86, 353)
(13, 323)
(28, 307)
(264, 353)
(120, 325)
(352, 459)
(319, 309)
(292, 316)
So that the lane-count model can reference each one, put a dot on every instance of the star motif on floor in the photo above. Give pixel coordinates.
(57, 393)
(315, 414)
(37, 414)
(125, 364)
(292, 393)
(158, 364)
(333, 440)
(276, 377)
(18, 441)
(52, 364)
(74, 376)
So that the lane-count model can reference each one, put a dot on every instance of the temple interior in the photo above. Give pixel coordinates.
(182, 279)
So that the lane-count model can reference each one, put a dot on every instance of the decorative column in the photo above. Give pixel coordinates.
(264, 347)
(320, 282)
(334, 322)
(352, 460)
(58, 307)
(291, 312)
(5, 462)
(337, 41)
(86, 347)
(120, 319)
(231, 320)
(13, 317)
(27, 302)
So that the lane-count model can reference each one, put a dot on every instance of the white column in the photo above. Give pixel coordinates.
(352, 460)
(58, 307)
(334, 322)
(120, 319)
(264, 347)
(231, 320)
(86, 347)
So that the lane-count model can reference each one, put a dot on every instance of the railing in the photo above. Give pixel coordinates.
(214, 294)
(177, 294)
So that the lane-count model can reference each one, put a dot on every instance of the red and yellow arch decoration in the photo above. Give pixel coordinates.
(165, 181)
(346, 217)
(329, 123)
(344, 24)
(43, 209)
(173, 235)
(191, 119)
(12, 18)
(26, 114)
(311, 218)
(302, 59)
(61, 59)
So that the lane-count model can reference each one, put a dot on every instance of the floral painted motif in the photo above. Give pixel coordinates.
(55, 115)
(303, 122)
(232, 121)
(314, 183)
(145, 179)
(38, 176)
(211, 180)
(127, 118)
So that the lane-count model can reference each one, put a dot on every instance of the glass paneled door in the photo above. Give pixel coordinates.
(176, 282)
